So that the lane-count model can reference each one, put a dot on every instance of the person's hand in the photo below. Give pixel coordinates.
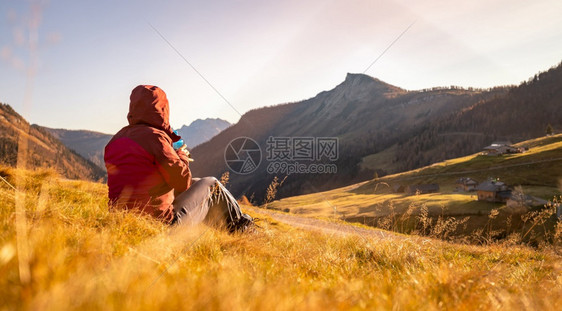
(183, 150)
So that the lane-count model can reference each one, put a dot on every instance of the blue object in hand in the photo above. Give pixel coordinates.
(177, 145)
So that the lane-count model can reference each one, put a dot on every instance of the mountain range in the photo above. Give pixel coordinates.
(43, 149)
(200, 131)
(379, 129)
(75, 154)
(384, 129)
(90, 144)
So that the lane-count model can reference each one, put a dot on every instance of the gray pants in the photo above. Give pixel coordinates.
(206, 201)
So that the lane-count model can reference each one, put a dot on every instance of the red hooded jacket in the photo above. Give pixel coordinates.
(143, 169)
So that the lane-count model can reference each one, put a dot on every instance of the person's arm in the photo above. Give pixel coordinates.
(174, 166)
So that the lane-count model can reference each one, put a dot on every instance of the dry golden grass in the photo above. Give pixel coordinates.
(84, 257)
(348, 203)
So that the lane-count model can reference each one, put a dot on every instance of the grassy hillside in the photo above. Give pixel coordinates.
(41, 148)
(88, 144)
(538, 172)
(80, 256)
(523, 113)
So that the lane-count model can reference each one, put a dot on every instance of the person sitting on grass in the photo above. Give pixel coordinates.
(147, 175)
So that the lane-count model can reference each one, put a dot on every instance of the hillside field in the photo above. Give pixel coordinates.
(537, 172)
(71, 253)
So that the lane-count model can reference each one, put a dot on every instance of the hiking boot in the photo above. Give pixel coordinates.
(243, 224)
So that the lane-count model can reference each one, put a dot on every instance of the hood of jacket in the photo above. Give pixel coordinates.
(149, 105)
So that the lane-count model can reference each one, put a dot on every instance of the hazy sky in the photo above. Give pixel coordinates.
(72, 64)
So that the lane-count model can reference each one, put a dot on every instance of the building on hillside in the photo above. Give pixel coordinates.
(494, 150)
(422, 189)
(500, 148)
(466, 184)
(525, 200)
(503, 143)
(398, 188)
(493, 191)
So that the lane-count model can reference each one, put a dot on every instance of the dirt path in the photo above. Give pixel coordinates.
(326, 226)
